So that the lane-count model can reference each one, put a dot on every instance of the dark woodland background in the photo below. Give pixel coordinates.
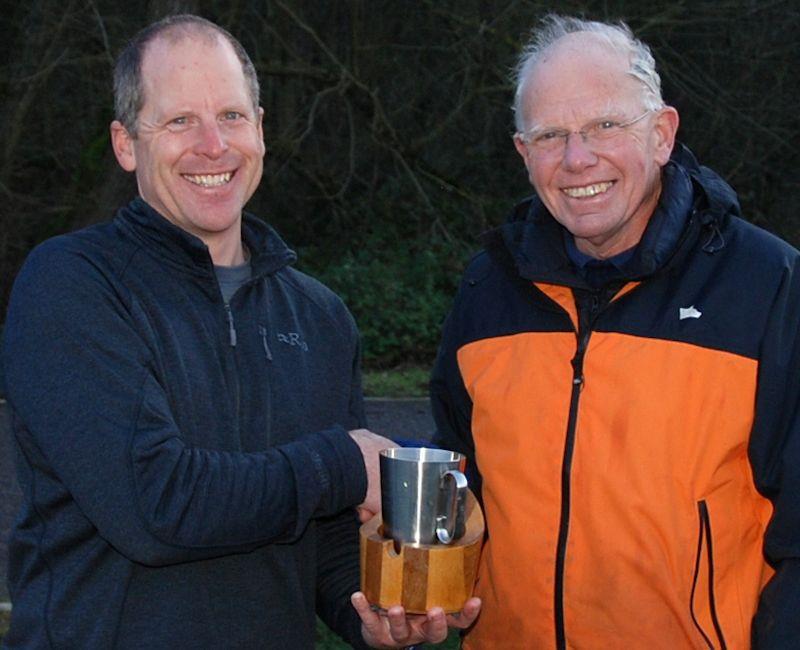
(387, 127)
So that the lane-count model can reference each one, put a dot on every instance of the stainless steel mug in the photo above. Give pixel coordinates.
(423, 492)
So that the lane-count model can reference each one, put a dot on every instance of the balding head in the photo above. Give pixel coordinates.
(129, 88)
(611, 42)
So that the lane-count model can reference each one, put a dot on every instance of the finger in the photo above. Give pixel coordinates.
(398, 624)
(364, 515)
(369, 618)
(435, 626)
(466, 617)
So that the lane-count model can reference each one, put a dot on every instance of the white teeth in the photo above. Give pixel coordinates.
(209, 180)
(586, 190)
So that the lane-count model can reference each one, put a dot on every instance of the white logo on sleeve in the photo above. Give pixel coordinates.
(689, 312)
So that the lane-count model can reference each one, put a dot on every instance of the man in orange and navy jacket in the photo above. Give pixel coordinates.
(621, 367)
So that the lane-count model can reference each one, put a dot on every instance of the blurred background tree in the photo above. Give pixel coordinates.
(387, 126)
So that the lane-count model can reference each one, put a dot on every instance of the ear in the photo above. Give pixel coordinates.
(122, 143)
(260, 121)
(522, 149)
(665, 130)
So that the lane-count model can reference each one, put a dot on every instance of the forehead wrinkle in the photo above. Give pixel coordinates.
(611, 109)
(174, 100)
(577, 69)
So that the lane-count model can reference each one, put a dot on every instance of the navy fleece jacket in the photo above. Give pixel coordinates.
(187, 476)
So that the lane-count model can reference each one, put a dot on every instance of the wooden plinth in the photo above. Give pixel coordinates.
(421, 576)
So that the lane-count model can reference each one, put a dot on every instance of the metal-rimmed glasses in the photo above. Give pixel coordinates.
(596, 135)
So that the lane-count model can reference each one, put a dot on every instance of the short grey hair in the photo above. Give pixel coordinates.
(618, 37)
(128, 83)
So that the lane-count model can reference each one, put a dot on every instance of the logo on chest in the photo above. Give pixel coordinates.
(293, 339)
(689, 312)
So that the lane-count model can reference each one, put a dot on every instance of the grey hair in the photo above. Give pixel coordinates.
(618, 36)
(128, 84)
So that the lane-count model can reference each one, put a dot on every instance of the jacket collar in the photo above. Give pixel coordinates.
(176, 247)
(693, 199)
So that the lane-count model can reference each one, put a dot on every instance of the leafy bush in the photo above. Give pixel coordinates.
(401, 381)
(399, 293)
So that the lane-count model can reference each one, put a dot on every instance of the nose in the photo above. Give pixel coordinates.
(211, 140)
(577, 154)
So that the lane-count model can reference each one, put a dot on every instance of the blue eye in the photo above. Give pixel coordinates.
(179, 121)
(232, 115)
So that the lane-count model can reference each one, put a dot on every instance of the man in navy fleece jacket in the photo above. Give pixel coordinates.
(186, 406)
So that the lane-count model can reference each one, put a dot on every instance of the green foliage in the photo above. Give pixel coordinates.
(406, 381)
(327, 640)
(399, 291)
(398, 298)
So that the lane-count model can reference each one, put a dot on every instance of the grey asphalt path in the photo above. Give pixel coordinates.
(400, 418)
(407, 419)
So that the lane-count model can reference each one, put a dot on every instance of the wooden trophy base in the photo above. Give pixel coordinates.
(421, 576)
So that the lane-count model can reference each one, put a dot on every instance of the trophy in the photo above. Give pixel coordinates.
(422, 551)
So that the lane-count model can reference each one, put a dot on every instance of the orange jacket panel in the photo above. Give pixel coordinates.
(646, 456)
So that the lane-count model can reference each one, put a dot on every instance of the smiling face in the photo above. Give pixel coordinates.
(604, 195)
(198, 154)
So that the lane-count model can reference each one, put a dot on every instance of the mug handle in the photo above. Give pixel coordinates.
(448, 525)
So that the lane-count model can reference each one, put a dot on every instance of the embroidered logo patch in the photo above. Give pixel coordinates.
(294, 339)
(689, 312)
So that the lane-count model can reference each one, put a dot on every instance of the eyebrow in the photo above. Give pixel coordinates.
(615, 115)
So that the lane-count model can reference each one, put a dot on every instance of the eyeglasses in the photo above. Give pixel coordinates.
(597, 135)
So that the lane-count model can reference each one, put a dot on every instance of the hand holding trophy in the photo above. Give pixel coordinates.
(419, 558)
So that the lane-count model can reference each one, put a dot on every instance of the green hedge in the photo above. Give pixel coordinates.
(399, 292)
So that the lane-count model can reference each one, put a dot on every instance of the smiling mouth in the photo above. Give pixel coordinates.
(587, 190)
(209, 180)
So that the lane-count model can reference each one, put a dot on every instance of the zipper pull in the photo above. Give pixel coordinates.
(263, 332)
(231, 328)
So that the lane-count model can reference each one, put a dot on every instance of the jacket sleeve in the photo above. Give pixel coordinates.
(775, 457)
(338, 566)
(91, 416)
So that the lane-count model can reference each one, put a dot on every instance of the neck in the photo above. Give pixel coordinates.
(227, 252)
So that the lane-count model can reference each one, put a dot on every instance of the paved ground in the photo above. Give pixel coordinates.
(401, 419)
(407, 419)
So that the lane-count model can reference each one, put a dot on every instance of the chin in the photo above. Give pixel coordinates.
(219, 225)
(585, 228)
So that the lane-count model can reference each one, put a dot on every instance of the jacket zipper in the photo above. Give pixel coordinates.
(263, 333)
(704, 535)
(231, 327)
(583, 335)
(235, 361)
